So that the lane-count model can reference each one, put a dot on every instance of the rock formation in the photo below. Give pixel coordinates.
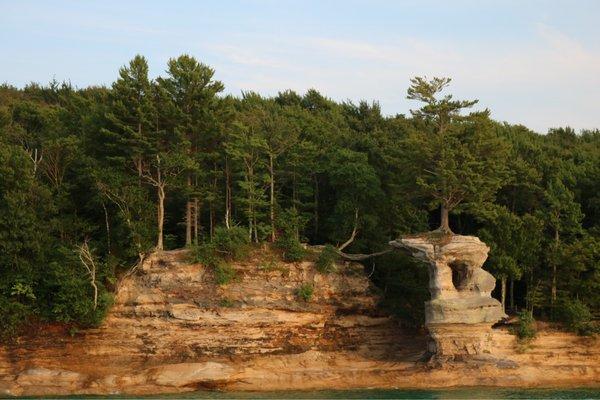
(461, 311)
(172, 329)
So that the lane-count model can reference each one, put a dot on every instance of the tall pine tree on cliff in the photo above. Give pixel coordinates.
(455, 159)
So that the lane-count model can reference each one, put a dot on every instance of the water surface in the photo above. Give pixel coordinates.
(463, 393)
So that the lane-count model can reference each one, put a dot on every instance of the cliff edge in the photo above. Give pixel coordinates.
(173, 329)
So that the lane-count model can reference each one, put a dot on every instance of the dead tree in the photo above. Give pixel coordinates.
(87, 259)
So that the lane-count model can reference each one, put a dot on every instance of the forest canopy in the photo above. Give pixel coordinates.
(92, 179)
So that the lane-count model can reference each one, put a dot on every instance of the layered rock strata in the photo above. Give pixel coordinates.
(172, 330)
(461, 311)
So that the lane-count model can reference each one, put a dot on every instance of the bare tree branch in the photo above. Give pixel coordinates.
(354, 231)
(362, 257)
(87, 259)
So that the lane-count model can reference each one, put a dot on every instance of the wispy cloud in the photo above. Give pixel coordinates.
(533, 66)
(508, 73)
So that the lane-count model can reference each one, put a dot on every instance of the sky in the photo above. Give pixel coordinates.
(535, 63)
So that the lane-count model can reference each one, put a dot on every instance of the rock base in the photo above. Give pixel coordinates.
(468, 310)
(461, 311)
(449, 341)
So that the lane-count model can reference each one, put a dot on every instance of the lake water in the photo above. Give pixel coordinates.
(464, 393)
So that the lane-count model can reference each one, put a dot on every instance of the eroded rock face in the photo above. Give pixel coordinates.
(461, 311)
(172, 329)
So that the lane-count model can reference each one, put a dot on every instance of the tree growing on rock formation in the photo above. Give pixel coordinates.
(456, 159)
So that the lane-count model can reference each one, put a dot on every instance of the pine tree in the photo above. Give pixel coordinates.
(130, 115)
(455, 159)
(191, 89)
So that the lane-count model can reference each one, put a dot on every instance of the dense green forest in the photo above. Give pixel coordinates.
(93, 179)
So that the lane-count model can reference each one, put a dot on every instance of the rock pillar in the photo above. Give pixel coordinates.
(461, 311)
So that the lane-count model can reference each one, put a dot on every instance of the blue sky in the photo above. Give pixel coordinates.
(530, 62)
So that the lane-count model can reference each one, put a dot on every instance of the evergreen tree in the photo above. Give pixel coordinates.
(191, 89)
(454, 158)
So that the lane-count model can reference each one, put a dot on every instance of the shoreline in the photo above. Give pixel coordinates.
(166, 333)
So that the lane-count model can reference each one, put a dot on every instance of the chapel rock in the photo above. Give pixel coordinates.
(461, 311)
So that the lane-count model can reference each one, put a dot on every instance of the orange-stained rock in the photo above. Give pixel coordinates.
(172, 329)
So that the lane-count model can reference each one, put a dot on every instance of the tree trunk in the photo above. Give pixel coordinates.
(188, 215)
(138, 160)
(316, 208)
(107, 228)
(215, 186)
(272, 197)
(255, 228)
(512, 294)
(161, 216)
(503, 293)
(196, 219)
(445, 224)
(295, 202)
(553, 290)
(250, 202)
(211, 221)
(227, 195)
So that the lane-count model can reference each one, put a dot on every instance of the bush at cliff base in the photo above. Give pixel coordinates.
(577, 317)
(526, 329)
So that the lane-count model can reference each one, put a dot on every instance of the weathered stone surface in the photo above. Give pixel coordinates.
(185, 374)
(474, 310)
(170, 331)
(460, 292)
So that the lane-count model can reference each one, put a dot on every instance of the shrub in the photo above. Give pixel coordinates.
(526, 330)
(271, 265)
(232, 242)
(325, 264)
(205, 254)
(292, 250)
(577, 317)
(208, 255)
(14, 315)
(224, 273)
(288, 224)
(226, 302)
(67, 290)
(305, 291)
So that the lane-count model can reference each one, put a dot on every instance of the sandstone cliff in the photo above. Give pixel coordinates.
(173, 329)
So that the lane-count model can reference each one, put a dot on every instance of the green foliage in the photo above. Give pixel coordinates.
(204, 253)
(227, 245)
(224, 273)
(272, 265)
(22, 291)
(456, 159)
(291, 248)
(125, 166)
(15, 315)
(287, 241)
(208, 255)
(305, 292)
(231, 243)
(577, 317)
(226, 302)
(325, 264)
(526, 329)
(403, 282)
